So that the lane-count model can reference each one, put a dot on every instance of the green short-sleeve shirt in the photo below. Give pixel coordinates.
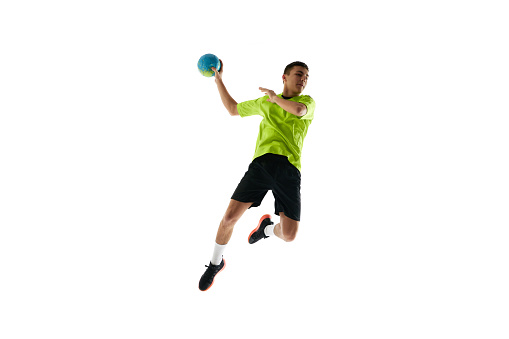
(280, 132)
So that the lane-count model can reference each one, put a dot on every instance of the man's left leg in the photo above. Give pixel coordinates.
(286, 191)
(286, 229)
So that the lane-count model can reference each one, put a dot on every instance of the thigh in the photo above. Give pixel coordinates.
(254, 185)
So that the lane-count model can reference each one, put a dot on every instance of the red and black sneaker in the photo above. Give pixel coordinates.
(259, 232)
(207, 279)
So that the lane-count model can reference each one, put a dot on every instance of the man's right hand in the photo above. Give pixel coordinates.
(219, 75)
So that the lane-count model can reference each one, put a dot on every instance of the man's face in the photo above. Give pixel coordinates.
(297, 80)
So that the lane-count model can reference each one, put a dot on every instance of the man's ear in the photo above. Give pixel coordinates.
(284, 78)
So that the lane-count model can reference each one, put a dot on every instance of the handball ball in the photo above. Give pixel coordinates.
(206, 62)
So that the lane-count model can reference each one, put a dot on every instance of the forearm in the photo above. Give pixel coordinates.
(296, 108)
(228, 101)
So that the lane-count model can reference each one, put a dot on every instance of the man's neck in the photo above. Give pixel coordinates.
(288, 94)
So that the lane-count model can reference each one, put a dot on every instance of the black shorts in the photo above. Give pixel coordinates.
(272, 172)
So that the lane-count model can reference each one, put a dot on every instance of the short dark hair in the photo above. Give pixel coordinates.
(289, 67)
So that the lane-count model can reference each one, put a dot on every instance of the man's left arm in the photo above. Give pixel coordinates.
(296, 108)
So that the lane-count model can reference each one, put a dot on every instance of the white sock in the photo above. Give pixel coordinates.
(269, 230)
(218, 254)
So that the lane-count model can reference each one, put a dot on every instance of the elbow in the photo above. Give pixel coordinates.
(302, 111)
(233, 110)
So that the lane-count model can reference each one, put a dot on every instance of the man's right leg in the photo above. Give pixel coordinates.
(233, 213)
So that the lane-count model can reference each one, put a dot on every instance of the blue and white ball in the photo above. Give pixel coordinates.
(206, 62)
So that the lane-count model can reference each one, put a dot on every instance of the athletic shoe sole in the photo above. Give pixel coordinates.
(266, 216)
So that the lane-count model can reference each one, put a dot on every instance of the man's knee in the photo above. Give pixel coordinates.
(229, 220)
(290, 228)
(233, 213)
(290, 237)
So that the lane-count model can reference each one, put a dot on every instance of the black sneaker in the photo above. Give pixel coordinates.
(207, 279)
(259, 232)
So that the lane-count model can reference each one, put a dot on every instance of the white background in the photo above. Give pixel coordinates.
(118, 161)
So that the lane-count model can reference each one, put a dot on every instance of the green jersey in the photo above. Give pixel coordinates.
(281, 132)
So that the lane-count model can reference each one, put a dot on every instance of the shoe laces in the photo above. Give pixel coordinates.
(212, 267)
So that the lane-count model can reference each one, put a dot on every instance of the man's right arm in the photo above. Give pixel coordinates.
(228, 101)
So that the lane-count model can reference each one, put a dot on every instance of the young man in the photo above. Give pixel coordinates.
(276, 163)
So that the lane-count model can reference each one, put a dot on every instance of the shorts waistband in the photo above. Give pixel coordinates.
(273, 157)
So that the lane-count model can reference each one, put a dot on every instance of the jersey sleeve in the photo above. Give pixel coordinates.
(251, 107)
(310, 105)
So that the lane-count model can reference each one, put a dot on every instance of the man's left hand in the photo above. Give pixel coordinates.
(272, 95)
